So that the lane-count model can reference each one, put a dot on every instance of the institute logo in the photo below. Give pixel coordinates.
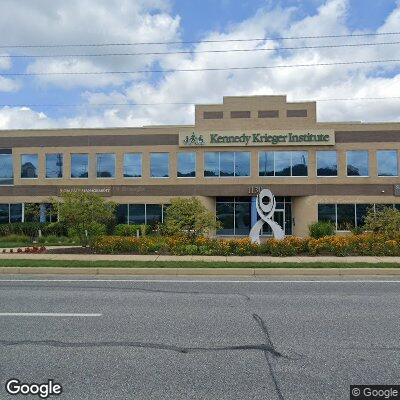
(194, 140)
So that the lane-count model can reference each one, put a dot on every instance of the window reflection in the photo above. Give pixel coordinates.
(132, 165)
(186, 165)
(29, 165)
(227, 163)
(6, 169)
(159, 165)
(54, 165)
(357, 163)
(283, 163)
(387, 162)
(105, 165)
(327, 163)
(79, 165)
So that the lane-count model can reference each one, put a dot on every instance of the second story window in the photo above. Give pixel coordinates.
(283, 163)
(226, 163)
(6, 169)
(105, 165)
(186, 165)
(387, 162)
(54, 165)
(159, 165)
(132, 165)
(29, 165)
(80, 165)
(357, 163)
(327, 163)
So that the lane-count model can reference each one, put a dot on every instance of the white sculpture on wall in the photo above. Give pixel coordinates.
(266, 213)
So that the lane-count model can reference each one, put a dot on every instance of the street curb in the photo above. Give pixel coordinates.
(201, 271)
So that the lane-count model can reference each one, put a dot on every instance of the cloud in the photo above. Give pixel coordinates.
(152, 21)
(87, 21)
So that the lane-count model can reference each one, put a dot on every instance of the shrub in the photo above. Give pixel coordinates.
(15, 238)
(93, 229)
(189, 217)
(320, 229)
(386, 222)
(55, 229)
(131, 229)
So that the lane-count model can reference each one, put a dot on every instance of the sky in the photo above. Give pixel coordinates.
(52, 100)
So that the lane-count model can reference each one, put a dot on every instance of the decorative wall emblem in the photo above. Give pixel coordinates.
(266, 213)
(193, 140)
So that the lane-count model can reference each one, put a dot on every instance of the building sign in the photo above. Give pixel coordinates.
(309, 137)
(103, 191)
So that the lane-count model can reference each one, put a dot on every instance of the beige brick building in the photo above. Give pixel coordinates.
(316, 170)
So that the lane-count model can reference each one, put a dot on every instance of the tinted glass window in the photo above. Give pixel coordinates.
(225, 214)
(121, 214)
(242, 218)
(299, 163)
(6, 169)
(327, 163)
(79, 165)
(16, 212)
(387, 162)
(345, 217)
(327, 212)
(266, 163)
(186, 167)
(357, 163)
(137, 214)
(227, 164)
(153, 214)
(105, 165)
(159, 165)
(282, 163)
(4, 213)
(29, 165)
(54, 165)
(242, 163)
(211, 163)
(361, 213)
(132, 165)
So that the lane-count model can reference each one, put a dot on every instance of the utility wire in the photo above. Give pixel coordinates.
(201, 69)
(186, 103)
(194, 41)
(331, 46)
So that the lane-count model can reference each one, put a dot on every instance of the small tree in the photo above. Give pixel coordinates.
(189, 217)
(385, 221)
(320, 229)
(84, 214)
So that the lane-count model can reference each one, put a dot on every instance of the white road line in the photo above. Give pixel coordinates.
(200, 281)
(47, 315)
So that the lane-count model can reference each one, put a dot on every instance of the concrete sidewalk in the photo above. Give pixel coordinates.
(235, 259)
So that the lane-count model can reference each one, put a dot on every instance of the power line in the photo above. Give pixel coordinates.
(187, 103)
(201, 69)
(196, 52)
(196, 41)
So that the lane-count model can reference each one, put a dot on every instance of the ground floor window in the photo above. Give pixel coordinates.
(150, 214)
(348, 216)
(10, 213)
(44, 212)
(235, 215)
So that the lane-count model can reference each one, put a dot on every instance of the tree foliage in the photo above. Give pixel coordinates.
(189, 217)
(84, 214)
(385, 221)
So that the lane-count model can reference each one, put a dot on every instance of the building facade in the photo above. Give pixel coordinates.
(317, 171)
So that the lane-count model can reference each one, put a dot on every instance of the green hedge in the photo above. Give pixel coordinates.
(31, 229)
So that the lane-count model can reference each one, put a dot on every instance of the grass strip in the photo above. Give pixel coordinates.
(187, 264)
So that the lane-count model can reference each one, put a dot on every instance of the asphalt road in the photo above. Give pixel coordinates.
(199, 338)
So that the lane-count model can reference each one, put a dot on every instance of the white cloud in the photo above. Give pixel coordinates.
(134, 21)
(87, 21)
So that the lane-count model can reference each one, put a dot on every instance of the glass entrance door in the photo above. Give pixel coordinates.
(279, 218)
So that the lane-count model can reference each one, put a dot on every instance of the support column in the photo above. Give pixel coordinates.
(42, 212)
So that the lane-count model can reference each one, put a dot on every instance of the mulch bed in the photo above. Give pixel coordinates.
(71, 250)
